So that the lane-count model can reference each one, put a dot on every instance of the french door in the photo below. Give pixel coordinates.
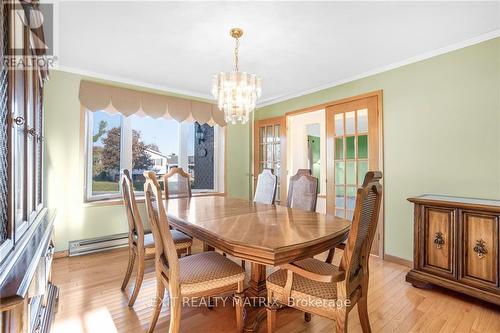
(352, 149)
(270, 151)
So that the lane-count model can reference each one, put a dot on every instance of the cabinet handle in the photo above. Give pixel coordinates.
(439, 239)
(18, 121)
(32, 132)
(480, 248)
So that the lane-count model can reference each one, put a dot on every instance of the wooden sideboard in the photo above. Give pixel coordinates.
(456, 245)
(28, 299)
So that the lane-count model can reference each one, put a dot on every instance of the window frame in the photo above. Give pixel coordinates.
(126, 157)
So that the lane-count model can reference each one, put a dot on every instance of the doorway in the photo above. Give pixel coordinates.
(270, 152)
(306, 133)
(353, 147)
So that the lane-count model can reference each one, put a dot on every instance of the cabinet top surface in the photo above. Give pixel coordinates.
(455, 200)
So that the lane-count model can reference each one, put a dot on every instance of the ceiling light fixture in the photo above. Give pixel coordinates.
(236, 92)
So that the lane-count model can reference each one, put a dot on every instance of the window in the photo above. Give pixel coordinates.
(116, 142)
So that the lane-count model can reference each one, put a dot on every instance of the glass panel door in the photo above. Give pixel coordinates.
(352, 150)
(269, 149)
(350, 158)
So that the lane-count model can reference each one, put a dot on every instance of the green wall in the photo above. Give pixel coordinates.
(63, 186)
(441, 135)
(441, 130)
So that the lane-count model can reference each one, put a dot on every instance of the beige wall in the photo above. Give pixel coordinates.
(441, 131)
(64, 165)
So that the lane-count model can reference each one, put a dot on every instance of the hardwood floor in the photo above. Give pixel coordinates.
(90, 301)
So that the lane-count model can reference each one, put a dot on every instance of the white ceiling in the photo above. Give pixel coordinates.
(294, 46)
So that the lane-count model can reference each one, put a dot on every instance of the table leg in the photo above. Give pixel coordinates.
(257, 283)
(256, 289)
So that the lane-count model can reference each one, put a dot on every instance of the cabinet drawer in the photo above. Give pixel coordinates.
(479, 249)
(439, 241)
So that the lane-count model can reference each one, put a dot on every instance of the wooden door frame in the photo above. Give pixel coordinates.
(374, 102)
(281, 120)
(284, 120)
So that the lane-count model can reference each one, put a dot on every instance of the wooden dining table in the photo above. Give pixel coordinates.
(264, 235)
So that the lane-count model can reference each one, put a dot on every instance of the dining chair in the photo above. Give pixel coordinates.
(303, 191)
(205, 274)
(317, 287)
(181, 187)
(331, 252)
(265, 191)
(140, 238)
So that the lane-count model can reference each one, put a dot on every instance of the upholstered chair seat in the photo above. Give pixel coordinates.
(303, 288)
(207, 271)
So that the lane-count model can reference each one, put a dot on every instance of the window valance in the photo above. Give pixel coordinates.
(101, 97)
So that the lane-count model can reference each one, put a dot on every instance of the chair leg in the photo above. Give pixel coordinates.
(271, 313)
(130, 268)
(160, 292)
(188, 251)
(239, 305)
(271, 318)
(331, 253)
(307, 317)
(175, 314)
(342, 312)
(138, 279)
(341, 320)
(363, 305)
(363, 314)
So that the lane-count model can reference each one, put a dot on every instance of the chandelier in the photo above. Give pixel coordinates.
(236, 92)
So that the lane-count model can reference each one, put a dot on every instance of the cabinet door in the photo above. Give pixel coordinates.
(19, 134)
(39, 143)
(479, 252)
(30, 144)
(5, 215)
(439, 241)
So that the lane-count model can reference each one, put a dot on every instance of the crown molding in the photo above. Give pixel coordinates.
(453, 47)
(284, 97)
(141, 84)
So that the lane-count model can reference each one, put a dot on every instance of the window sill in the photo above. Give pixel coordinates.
(139, 199)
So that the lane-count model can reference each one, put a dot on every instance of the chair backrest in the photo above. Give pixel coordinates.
(135, 226)
(265, 191)
(364, 224)
(179, 185)
(165, 252)
(303, 191)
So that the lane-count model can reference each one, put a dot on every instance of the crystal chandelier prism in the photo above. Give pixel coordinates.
(236, 92)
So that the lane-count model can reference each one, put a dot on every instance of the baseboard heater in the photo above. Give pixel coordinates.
(85, 246)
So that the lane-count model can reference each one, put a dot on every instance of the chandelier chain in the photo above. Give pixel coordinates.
(236, 58)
